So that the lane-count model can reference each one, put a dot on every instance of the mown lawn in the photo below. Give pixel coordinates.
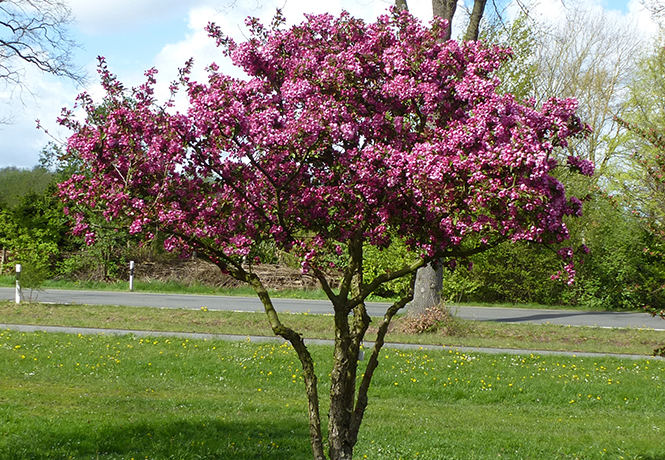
(98, 396)
(457, 333)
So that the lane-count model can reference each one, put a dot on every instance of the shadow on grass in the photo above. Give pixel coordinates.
(169, 440)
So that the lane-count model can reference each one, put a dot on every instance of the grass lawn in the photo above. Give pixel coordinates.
(461, 333)
(105, 397)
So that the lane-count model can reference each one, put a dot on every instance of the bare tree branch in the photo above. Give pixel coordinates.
(656, 8)
(34, 33)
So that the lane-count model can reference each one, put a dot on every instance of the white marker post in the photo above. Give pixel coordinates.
(131, 275)
(18, 284)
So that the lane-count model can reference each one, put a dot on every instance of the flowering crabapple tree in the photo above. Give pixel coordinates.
(344, 135)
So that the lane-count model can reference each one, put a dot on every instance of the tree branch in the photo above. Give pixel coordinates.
(362, 399)
(306, 360)
(35, 33)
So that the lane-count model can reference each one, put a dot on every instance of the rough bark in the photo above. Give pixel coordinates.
(342, 391)
(362, 400)
(348, 339)
(446, 10)
(305, 358)
(427, 290)
(473, 28)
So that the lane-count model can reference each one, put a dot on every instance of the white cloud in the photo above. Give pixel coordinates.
(21, 140)
(196, 44)
(552, 11)
(103, 16)
(641, 16)
(231, 19)
(112, 20)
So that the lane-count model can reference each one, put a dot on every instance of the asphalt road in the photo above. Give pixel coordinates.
(249, 304)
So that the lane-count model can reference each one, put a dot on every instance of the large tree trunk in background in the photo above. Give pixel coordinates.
(472, 29)
(446, 10)
(427, 291)
(429, 282)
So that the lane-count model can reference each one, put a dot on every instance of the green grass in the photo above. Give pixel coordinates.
(465, 333)
(88, 397)
(169, 287)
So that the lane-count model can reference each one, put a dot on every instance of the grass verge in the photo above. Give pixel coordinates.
(462, 333)
(168, 288)
(113, 398)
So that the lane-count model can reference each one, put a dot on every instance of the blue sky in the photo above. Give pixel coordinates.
(135, 35)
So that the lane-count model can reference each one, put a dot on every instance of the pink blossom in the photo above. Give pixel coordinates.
(89, 238)
(343, 133)
(585, 167)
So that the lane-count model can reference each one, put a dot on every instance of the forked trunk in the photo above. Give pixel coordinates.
(348, 403)
(296, 340)
(347, 406)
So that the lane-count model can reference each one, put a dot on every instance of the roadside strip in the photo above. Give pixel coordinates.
(259, 339)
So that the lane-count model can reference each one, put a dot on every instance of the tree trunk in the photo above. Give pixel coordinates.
(348, 339)
(342, 398)
(296, 340)
(348, 397)
(427, 291)
(347, 406)
(445, 9)
(473, 28)
(429, 282)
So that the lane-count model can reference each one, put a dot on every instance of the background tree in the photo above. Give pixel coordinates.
(645, 116)
(592, 57)
(16, 183)
(652, 293)
(523, 36)
(429, 282)
(34, 33)
(21, 188)
(657, 9)
(36, 234)
(644, 181)
(344, 135)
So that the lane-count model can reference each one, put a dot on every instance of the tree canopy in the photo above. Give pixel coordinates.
(344, 135)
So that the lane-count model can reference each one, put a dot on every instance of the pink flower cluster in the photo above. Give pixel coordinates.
(342, 133)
